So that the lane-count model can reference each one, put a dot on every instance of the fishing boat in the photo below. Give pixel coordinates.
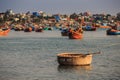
(74, 59)
(112, 32)
(4, 32)
(75, 35)
(18, 29)
(28, 29)
(64, 32)
(48, 28)
(39, 30)
(105, 27)
(89, 28)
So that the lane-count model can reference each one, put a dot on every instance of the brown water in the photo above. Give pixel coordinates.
(32, 56)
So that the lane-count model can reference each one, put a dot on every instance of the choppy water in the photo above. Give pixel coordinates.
(32, 56)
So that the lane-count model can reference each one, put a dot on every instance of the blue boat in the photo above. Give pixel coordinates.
(110, 32)
(89, 28)
(64, 32)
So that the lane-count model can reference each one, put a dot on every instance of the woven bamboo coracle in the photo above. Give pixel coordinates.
(74, 59)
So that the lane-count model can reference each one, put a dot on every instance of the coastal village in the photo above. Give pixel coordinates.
(40, 19)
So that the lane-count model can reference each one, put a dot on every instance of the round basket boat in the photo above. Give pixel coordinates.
(74, 59)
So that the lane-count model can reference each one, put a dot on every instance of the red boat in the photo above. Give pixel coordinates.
(4, 32)
(75, 35)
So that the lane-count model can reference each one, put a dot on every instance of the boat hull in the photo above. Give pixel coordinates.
(39, 30)
(4, 32)
(108, 32)
(74, 59)
(64, 33)
(75, 35)
(89, 29)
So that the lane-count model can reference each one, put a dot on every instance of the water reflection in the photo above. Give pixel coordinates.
(62, 68)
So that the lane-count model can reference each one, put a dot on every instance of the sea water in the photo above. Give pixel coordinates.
(33, 56)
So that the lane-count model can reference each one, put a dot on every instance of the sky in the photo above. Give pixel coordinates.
(61, 6)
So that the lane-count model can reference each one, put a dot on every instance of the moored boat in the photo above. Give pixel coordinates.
(39, 30)
(89, 28)
(106, 27)
(65, 32)
(48, 28)
(4, 32)
(28, 29)
(112, 32)
(75, 35)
